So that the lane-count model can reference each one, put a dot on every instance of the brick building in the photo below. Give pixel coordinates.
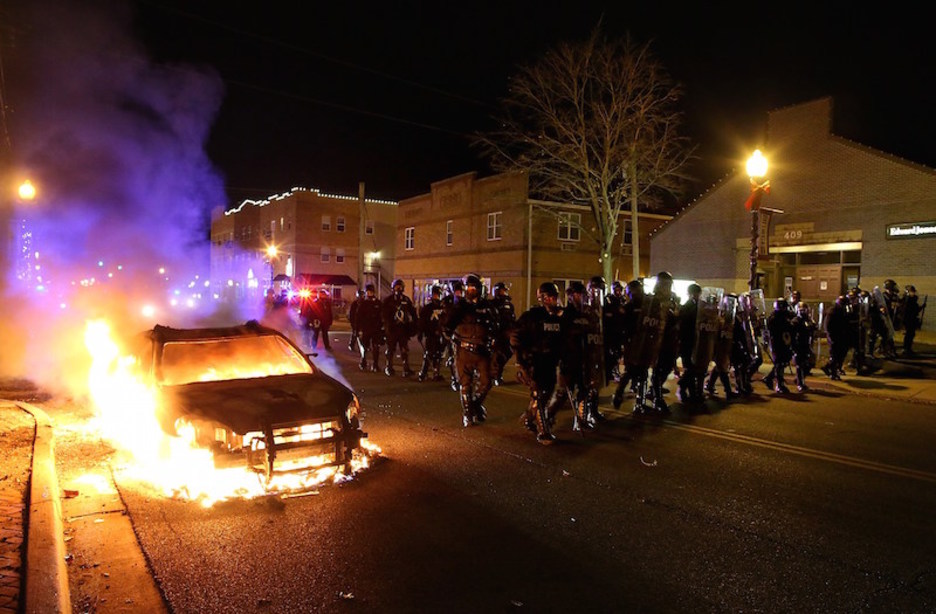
(319, 239)
(851, 216)
(490, 226)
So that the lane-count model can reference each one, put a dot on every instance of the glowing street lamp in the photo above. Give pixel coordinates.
(26, 190)
(756, 170)
(271, 253)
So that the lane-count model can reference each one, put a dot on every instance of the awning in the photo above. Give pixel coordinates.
(311, 279)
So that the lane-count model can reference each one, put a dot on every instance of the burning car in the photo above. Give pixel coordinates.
(249, 392)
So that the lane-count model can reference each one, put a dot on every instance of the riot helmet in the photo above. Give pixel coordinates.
(398, 285)
(780, 304)
(890, 284)
(436, 291)
(547, 288)
(795, 296)
(457, 286)
(664, 283)
(842, 300)
(694, 290)
(500, 290)
(575, 287)
(360, 294)
(370, 289)
(633, 289)
(617, 287)
(473, 286)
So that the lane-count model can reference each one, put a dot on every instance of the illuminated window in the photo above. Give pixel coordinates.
(627, 239)
(569, 226)
(340, 223)
(449, 235)
(326, 254)
(494, 226)
(409, 238)
(326, 223)
(339, 255)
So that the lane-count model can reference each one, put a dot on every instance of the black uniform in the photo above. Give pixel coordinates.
(581, 366)
(803, 357)
(689, 385)
(613, 329)
(399, 319)
(838, 330)
(430, 335)
(506, 319)
(352, 320)
(472, 326)
(537, 343)
(780, 329)
(369, 330)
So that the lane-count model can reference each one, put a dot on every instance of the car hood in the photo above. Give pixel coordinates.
(248, 404)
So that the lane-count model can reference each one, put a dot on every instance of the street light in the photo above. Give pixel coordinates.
(27, 191)
(271, 253)
(756, 170)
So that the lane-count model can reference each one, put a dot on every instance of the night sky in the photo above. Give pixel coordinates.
(327, 94)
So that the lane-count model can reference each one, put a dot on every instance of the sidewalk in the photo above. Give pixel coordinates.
(37, 580)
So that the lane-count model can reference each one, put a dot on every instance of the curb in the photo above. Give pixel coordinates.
(46, 573)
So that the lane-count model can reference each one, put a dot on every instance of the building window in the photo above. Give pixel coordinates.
(627, 239)
(449, 235)
(569, 226)
(339, 255)
(369, 227)
(339, 224)
(409, 238)
(282, 223)
(326, 254)
(494, 226)
(326, 223)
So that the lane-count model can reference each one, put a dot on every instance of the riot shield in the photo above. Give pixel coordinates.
(708, 326)
(644, 347)
(882, 305)
(820, 326)
(727, 308)
(758, 320)
(594, 346)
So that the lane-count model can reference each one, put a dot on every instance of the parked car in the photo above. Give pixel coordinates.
(249, 391)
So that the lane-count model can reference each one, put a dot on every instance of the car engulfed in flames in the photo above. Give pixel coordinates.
(251, 396)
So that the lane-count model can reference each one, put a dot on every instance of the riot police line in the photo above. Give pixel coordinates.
(626, 337)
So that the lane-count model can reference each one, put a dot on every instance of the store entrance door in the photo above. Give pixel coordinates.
(819, 281)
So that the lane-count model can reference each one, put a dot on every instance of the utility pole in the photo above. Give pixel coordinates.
(361, 230)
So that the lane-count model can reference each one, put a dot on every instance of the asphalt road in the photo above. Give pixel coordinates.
(815, 502)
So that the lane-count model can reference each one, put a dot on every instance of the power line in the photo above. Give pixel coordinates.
(322, 56)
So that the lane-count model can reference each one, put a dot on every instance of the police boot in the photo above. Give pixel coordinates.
(580, 421)
(436, 376)
(543, 432)
(658, 403)
(801, 380)
(697, 384)
(423, 371)
(591, 408)
(771, 378)
(467, 410)
(617, 399)
(781, 385)
(710, 382)
(404, 356)
(388, 370)
(640, 396)
(726, 382)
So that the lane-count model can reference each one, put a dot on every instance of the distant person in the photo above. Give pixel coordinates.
(318, 318)
(912, 318)
(352, 320)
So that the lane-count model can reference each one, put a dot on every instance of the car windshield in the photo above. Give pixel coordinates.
(184, 362)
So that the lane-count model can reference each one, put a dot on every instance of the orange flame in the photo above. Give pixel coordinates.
(126, 410)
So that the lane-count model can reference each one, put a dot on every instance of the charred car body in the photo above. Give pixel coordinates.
(249, 391)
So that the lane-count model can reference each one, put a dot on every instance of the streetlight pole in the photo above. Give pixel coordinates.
(756, 170)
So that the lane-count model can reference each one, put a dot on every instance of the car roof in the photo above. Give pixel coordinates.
(164, 334)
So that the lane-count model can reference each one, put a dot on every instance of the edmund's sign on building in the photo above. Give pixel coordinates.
(911, 230)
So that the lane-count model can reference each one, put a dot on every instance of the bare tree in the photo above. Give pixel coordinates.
(595, 123)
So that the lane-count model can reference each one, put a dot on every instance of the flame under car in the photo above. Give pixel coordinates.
(251, 394)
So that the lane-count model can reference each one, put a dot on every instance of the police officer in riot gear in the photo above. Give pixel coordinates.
(399, 317)
(780, 330)
(352, 319)
(633, 375)
(430, 335)
(369, 328)
(803, 330)
(506, 318)
(666, 359)
(838, 334)
(537, 343)
(448, 353)
(612, 327)
(689, 386)
(472, 327)
(581, 367)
